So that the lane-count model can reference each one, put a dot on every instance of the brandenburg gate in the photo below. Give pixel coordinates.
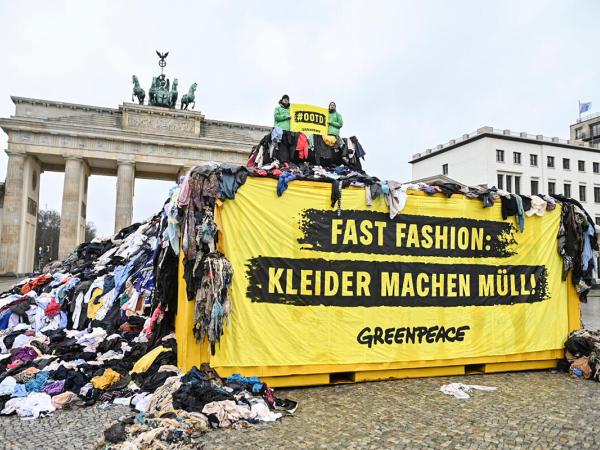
(154, 141)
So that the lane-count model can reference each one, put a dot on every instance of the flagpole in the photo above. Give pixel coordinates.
(579, 109)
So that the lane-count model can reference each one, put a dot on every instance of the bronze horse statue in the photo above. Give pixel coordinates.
(138, 91)
(174, 93)
(189, 98)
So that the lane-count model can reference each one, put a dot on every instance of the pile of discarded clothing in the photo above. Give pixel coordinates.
(186, 406)
(284, 147)
(207, 272)
(99, 326)
(582, 355)
(578, 245)
(87, 328)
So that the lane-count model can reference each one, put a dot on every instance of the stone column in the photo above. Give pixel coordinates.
(13, 213)
(31, 197)
(83, 185)
(125, 184)
(71, 205)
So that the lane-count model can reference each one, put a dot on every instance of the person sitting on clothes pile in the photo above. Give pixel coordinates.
(282, 148)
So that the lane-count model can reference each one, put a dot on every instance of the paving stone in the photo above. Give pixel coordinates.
(529, 410)
(77, 428)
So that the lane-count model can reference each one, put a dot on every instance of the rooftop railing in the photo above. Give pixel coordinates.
(499, 132)
(587, 117)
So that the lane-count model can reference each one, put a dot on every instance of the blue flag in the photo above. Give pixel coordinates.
(583, 107)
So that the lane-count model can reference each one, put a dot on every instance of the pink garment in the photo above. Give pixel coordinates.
(184, 191)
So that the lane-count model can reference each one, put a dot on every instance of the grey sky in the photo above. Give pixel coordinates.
(405, 75)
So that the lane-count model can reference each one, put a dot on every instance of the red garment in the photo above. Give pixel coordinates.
(157, 317)
(252, 159)
(276, 172)
(262, 173)
(53, 308)
(269, 396)
(302, 146)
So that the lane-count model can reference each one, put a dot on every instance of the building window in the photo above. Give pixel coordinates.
(596, 194)
(567, 190)
(500, 181)
(550, 161)
(581, 166)
(566, 163)
(534, 187)
(31, 206)
(582, 193)
(551, 187)
(517, 157)
(509, 183)
(517, 185)
(533, 160)
(597, 218)
(596, 130)
(596, 167)
(500, 155)
(578, 133)
(445, 169)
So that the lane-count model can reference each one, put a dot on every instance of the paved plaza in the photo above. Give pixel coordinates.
(529, 410)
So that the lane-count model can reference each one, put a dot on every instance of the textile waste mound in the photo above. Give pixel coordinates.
(98, 327)
(280, 148)
(582, 355)
(186, 406)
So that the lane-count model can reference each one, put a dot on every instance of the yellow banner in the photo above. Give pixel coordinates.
(445, 279)
(309, 119)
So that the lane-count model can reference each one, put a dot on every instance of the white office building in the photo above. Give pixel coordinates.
(518, 162)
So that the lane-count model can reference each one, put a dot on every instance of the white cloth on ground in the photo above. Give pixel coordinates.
(30, 406)
(461, 391)
(262, 412)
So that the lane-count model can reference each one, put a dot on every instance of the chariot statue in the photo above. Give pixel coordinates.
(162, 96)
(161, 92)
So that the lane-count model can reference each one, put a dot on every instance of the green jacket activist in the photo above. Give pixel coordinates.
(335, 120)
(282, 114)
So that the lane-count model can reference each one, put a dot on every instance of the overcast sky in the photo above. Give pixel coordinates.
(405, 75)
